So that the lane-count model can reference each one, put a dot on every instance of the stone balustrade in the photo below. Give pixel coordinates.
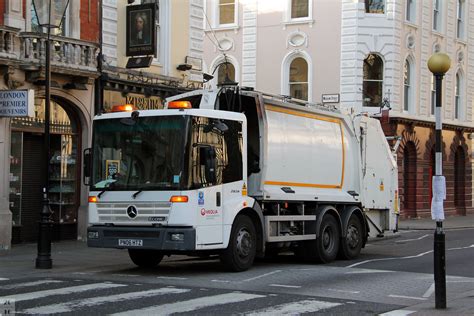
(68, 55)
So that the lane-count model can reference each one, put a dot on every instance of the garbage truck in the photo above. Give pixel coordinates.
(240, 174)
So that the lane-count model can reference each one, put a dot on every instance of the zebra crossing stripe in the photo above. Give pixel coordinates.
(306, 306)
(74, 305)
(398, 312)
(4, 279)
(193, 304)
(60, 291)
(27, 284)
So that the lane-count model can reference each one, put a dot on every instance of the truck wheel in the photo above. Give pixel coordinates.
(327, 242)
(145, 258)
(352, 244)
(242, 248)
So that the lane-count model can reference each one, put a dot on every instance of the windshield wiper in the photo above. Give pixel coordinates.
(137, 193)
(101, 192)
(110, 183)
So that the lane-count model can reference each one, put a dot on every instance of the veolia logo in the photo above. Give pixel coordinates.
(132, 211)
(205, 212)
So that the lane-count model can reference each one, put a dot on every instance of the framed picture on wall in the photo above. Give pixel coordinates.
(141, 34)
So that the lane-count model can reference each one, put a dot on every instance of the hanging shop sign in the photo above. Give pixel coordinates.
(139, 101)
(141, 30)
(17, 103)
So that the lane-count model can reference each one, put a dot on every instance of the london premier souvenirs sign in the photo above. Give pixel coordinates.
(15, 103)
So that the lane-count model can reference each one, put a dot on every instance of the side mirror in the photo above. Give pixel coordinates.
(87, 158)
(208, 159)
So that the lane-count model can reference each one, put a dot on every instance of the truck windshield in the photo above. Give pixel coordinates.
(147, 153)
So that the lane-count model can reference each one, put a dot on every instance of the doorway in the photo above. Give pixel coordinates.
(28, 172)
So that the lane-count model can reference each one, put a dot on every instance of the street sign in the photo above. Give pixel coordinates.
(330, 98)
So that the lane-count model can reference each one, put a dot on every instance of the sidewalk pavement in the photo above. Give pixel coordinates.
(460, 305)
(452, 222)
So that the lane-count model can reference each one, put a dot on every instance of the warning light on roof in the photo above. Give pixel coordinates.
(179, 105)
(123, 108)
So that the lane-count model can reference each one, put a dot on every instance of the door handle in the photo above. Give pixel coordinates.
(218, 198)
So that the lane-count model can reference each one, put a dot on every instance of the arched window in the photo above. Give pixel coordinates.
(458, 97)
(298, 79)
(225, 69)
(408, 89)
(373, 81)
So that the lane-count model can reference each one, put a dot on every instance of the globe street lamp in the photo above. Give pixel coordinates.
(439, 64)
(50, 14)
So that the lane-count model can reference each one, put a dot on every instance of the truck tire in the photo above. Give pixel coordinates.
(242, 248)
(352, 244)
(145, 258)
(327, 242)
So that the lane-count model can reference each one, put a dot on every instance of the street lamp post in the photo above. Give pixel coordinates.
(50, 14)
(439, 64)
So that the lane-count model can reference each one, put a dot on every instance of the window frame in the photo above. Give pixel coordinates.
(437, 16)
(373, 80)
(300, 19)
(217, 23)
(290, 83)
(458, 97)
(285, 72)
(410, 11)
(408, 86)
(460, 19)
(384, 10)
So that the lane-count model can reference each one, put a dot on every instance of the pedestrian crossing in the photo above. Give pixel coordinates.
(63, 296)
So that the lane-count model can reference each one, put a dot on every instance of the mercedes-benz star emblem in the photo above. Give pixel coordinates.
(132, 211)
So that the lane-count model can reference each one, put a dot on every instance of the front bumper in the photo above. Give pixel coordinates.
(157, 238)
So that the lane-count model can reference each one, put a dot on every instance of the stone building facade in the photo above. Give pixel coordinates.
(81, 87)
(374, 54)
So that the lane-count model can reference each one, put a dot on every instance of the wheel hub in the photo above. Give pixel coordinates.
(327, 238)
(244, 243)
(353, 236)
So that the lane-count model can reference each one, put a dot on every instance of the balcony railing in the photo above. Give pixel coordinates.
(68, 55)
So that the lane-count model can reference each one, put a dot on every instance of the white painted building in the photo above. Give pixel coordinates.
(372, 52)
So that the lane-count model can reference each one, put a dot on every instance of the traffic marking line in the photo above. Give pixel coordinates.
(295, 308)
(61, 291)
(193, 304)
(76, 304)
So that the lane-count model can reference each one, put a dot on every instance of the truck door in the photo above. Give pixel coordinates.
(219, 149)
(210, 229)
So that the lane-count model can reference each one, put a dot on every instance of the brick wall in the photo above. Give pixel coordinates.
(89, 15)
(458, 194)
(2, 11)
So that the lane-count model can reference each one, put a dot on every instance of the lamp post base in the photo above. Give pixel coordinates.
(439, 267)
(44, 262)
(43, 259)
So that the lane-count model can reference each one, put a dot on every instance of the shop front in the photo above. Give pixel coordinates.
(27, 174)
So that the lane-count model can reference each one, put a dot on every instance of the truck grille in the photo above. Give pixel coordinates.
(147, 212)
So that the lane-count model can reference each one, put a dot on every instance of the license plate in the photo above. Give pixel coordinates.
(130, 242)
